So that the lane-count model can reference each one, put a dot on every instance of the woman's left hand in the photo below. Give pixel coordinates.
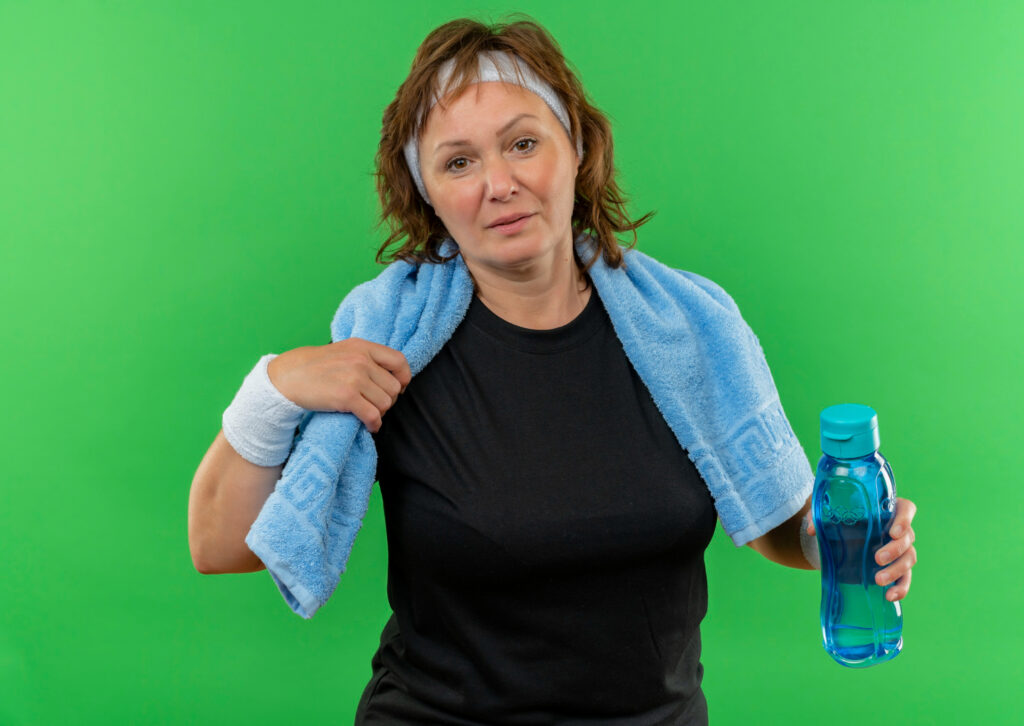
(899, 551)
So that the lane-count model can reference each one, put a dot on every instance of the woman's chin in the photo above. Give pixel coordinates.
(520, 248)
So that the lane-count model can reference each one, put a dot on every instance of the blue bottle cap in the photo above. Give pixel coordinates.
(849, 431)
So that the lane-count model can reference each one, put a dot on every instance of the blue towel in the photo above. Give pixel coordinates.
(685, 337)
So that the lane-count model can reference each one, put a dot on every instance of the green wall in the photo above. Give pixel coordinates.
(187, 186)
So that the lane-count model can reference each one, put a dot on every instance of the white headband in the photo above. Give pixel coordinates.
(488, 71)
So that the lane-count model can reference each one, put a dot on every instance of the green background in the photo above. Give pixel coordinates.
(187, 186)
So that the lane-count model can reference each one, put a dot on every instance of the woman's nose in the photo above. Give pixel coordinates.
(499, 179)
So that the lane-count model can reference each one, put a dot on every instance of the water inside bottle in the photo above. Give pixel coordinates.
(855, 606)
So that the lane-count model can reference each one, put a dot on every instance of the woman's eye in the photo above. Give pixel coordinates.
(454, 164)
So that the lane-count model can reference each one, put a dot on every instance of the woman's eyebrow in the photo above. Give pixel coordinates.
(503, 129)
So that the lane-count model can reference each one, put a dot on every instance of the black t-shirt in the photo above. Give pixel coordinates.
(546, 536)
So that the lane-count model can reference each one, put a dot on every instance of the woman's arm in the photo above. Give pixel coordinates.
(227, 495)
(898, 556)
(782, 544)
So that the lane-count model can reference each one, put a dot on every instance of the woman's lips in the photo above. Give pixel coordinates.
(512, 227)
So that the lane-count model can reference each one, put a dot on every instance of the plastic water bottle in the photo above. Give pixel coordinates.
(854, 501)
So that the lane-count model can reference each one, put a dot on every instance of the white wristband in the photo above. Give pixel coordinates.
(260, 422)
(809, 545)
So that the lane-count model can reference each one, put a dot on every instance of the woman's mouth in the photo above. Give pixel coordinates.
(513, 226)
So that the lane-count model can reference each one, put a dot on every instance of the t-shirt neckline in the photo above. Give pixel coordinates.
(530, 340)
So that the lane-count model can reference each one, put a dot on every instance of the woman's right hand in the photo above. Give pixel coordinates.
(353, 375)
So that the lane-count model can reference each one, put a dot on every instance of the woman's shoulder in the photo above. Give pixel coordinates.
(711, 287)
(715, 291)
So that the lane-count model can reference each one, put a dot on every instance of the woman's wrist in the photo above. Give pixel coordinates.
(260, 422)
(809, 545)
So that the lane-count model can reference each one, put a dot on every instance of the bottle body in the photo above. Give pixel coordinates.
(853, 504)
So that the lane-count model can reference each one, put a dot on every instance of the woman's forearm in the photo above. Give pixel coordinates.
(227, 495)
(782, 544)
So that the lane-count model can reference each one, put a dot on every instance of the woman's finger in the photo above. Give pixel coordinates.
(895, 548)
(900, 568)
(906, 510)
(900, 588)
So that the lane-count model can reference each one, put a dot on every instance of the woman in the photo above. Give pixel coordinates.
(546, 532)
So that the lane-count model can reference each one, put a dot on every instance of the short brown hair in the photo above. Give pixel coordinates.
(599, 205)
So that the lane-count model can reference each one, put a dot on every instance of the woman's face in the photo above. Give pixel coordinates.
(496, 151)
